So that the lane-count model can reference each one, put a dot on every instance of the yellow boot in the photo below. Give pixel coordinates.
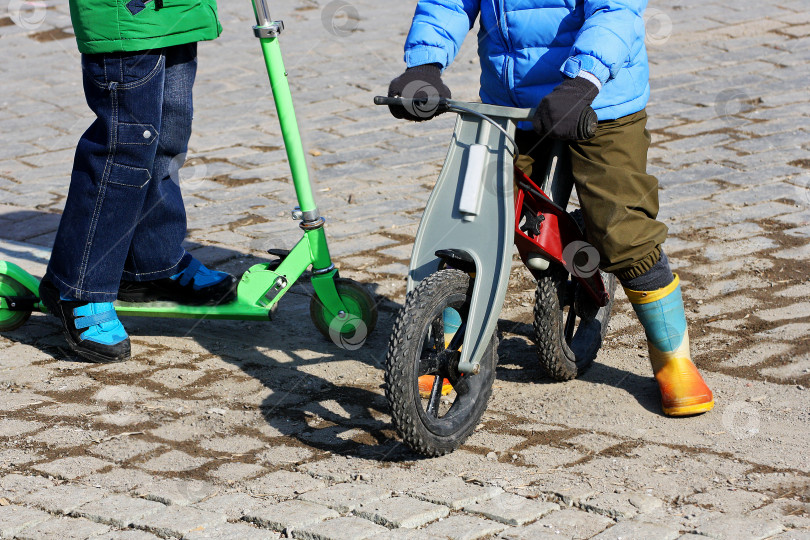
(661, 313)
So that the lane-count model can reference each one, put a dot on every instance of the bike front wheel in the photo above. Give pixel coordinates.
(426, 340)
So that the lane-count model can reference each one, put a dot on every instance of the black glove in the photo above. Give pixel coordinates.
(419, 82)
(566, 112)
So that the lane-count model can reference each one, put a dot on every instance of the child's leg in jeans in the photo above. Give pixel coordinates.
(155, 251)
(111, 174)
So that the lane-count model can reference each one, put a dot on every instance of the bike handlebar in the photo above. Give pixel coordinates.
(587, 120)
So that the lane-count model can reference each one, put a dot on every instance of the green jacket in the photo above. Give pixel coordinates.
(104, 26)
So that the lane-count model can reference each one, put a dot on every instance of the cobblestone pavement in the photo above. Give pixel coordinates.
(244, 430)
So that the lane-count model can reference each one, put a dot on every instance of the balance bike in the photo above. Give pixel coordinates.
(459, 272)
(341, 309)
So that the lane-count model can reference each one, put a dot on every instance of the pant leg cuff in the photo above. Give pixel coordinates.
(177, 267)
(74, 293)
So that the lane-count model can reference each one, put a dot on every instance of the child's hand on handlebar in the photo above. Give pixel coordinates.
(422, 83)
(566, 112)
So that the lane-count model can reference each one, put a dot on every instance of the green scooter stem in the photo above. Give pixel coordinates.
(289, 124)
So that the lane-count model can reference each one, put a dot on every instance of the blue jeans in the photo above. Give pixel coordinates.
(124, 215)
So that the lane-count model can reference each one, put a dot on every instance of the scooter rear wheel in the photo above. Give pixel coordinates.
(352, 331)
(420, 345)
(11, 320)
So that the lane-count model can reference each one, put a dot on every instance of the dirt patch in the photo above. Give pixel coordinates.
(52, 35)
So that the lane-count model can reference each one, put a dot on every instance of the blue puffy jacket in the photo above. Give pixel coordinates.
(526, 45)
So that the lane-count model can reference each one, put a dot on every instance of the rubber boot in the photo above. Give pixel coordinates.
(452, 321)
(683, 391)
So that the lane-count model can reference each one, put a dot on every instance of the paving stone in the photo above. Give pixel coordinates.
(14, 519)
(127, 535)
(13, 458)
(345, 497)
(231, 531)
(401, 512)
(233, 505)
(464, 527)
(62, 499)
(549, 457)
(123, 449)
(119, 480)
(512, 509)
(233, 444)
(174, 461)
(66, 436)
(739, 528)
(176, 491)
(14, 485)
(289, 515)
(638, 530)
(63, 529)
(232, 472)
(342, 528)
(71, 468)
(118, 510)
(801, 309)
(284, 484)
(454, 492)
(14, 428)
(565, 523)
(16, 401)
(283, 454)
(177, 521)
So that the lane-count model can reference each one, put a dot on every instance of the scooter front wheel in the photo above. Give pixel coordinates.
(11, 320)
(353, 329)
(425, 342)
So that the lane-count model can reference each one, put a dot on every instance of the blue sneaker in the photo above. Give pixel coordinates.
(195, 285)
(92, 329)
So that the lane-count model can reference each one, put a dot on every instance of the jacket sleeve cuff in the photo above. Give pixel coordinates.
(426, 54)
(575, 65)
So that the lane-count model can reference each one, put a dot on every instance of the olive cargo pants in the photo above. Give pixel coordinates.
(619, 199)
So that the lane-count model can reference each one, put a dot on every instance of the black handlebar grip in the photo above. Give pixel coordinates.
(382, 100)
(586, 128)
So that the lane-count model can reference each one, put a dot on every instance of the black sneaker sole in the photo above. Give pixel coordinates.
(166, 291)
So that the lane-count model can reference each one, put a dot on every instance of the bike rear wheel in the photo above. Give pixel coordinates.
(568, 327)
(421, 345)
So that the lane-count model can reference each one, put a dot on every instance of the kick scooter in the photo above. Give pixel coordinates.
(462, 256)
(340, 309)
